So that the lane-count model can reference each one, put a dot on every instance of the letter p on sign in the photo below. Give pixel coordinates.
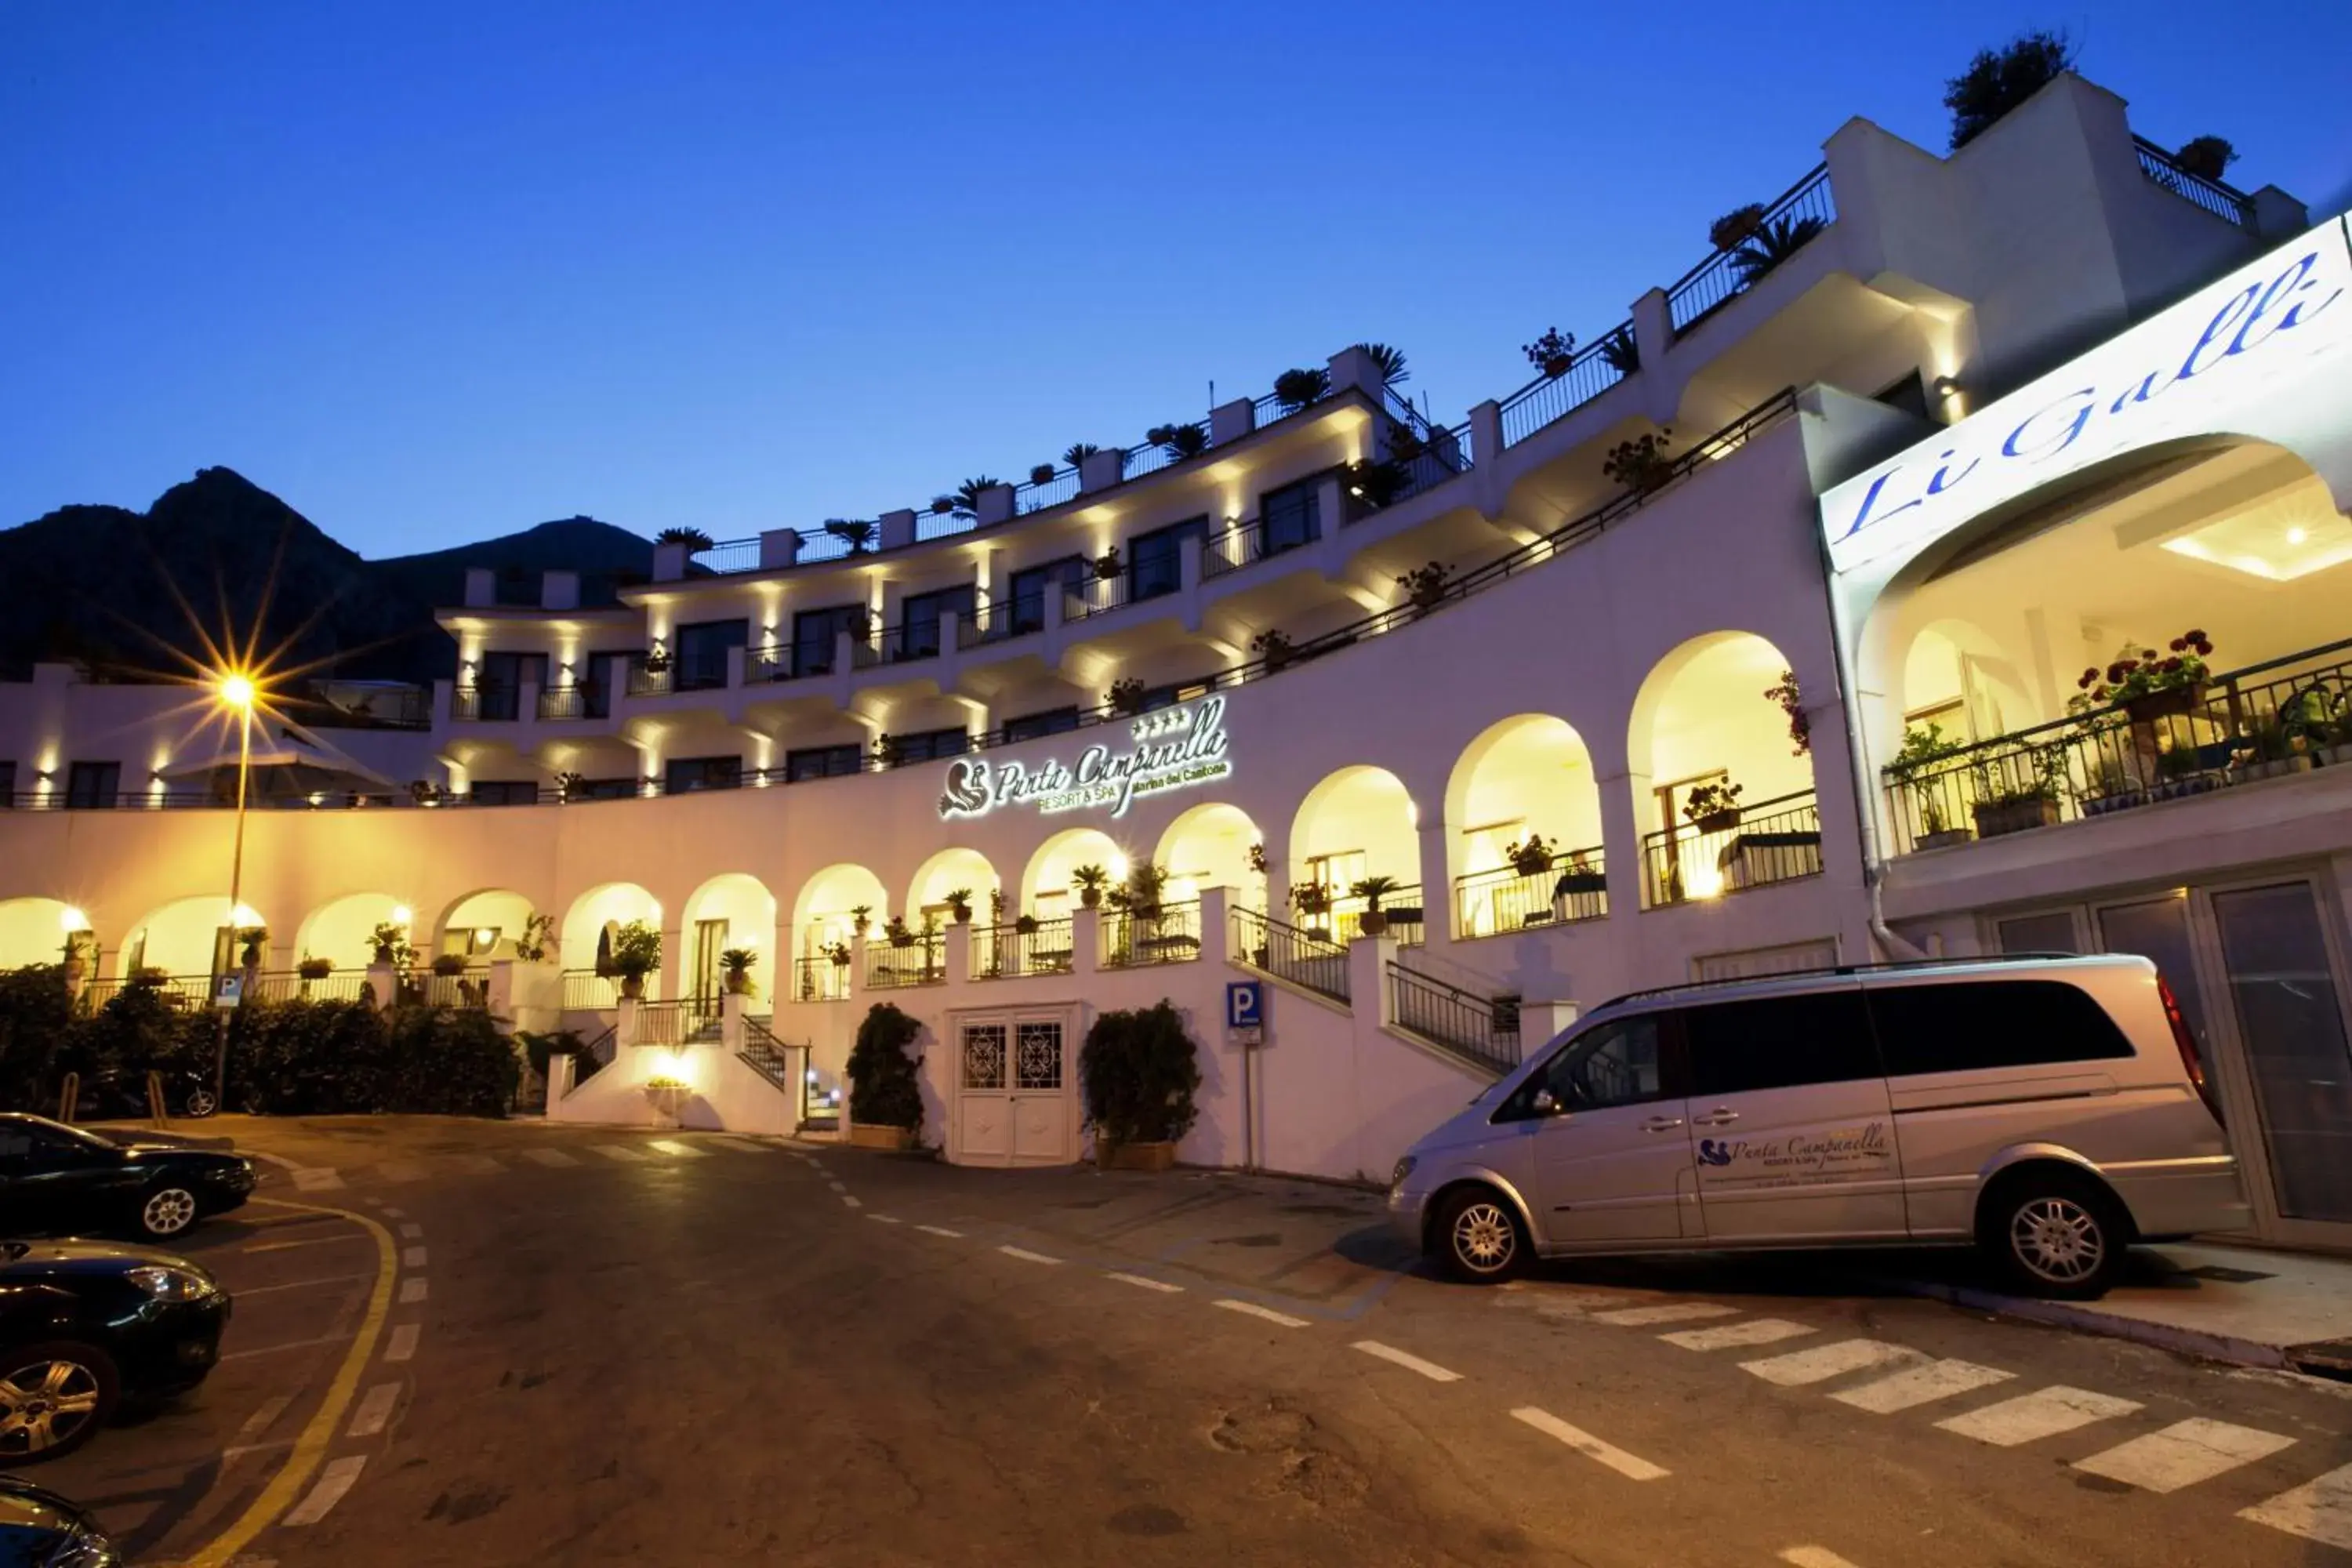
(1245, 1005)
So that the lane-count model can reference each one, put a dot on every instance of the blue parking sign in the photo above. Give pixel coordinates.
(1245, 1005)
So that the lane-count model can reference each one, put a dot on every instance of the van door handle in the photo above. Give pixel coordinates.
(1662, 1123)
(1720, 1116)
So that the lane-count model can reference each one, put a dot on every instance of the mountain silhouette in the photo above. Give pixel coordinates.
(125, 593)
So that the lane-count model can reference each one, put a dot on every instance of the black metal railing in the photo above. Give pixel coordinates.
(1777, 840)
(770, 662)
(651, 675)
(1302, 958)
(573, 703)
(1591, 371)
(2286, 715)
(467, 991)
(183, 993)
(585, 991)
(486, 704)
(1402, 916)
(2223, 201)
(1095, 596)
(344, 708)
(1150, 456)
(923, 962)
(727, 557)
(785, 1066)
(1483, 1028)
(1802, 212)
(1506, 899)
(1168, 934)
(1035, 496)
(1232, 547)
(931, 525)
(1026, 946)
(293, 985)
(821, 979)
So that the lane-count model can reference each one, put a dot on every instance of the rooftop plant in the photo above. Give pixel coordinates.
(856, 533)
(1298, 388)
(967, 495)
(1773, 243)
(1178, 441)
(1079, 451)
(1390, 360)
(1552, 354)
(1727, 232)
(694, 539)
(1623, 354)
(2206, 156)
(1997, 82)
(1042, 474)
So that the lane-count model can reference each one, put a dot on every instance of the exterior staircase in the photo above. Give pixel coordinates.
(785, 1068)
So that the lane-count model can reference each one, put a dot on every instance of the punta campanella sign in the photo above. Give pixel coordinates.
(1171, 748)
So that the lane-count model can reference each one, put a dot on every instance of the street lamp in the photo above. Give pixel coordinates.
(236, 692)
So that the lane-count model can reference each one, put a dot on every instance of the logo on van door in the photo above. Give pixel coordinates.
(1846, 1151)
(1714, 1151)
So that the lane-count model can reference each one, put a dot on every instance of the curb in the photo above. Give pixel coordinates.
(2228, 1349)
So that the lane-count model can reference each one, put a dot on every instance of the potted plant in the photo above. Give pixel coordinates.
(838, 951)
(667, 1096)
(857, 534)
(250, 940)
(1793, 704)
(1554, 354)
(569, 783)
(1138, 1072)
(1106, 564)
(942, 505)
(2207, 157)
(885, 1096)
(1275, 647)
(1313, 902)
(312, 967)
(391, 944)
(1729, 231)
(1388, 361)
(1372, 889)
(736, 964)
(861, 916)
(1373, 482)
(1257, 856)
(1924, 745)
(1425, 586)
(888, 752)
(1089, 880)
(657, 658)
(1713, 807)
(897, 933)
(1996, 83)
(1641, 464)
(1078, 452)
(967, 495)
(424, 792)
(1622, 353)
(1025, 925)
(2149, 685)
(2016, 807)
(694, 539)
(1178, 441)
(1145, 885)
(533, 944)
(636, 952)
(960, 905)
(1772, 244)
(1126, 696)
(1580, 877)
(1296, 389)
(1532, 856)
(1042, 474)
(448, 965)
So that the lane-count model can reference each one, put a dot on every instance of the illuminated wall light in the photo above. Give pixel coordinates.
(399, 915)
(72, 920)
(2297, 535)
(245, 915)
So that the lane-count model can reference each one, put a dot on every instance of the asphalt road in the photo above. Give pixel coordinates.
(627, 1348)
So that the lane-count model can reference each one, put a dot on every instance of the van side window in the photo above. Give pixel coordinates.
(1615, 1064)
(1990, 1024)
(1778, 1042)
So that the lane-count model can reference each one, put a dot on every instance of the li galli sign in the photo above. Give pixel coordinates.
(1172, 748)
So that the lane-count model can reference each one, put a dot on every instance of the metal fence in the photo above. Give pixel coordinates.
(1035, 497)
(728, 556)
(186, 993)
(292, 986)
(585, 991)
(1095, 596)
(2223, 201)
(1724, 276)
(1506, 899)
(1776, 841)
(1402, 916)
(1484, 1029)
(820, 979)
(923, 962)
(1300, 957)
(2287, 715)
(1591, 371)
(1027, 946)
(1170, 934)
(468, 991)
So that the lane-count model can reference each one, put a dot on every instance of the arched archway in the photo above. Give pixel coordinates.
(1524, 780)
(1359, 823)
(587, 928)
(341, 930)
(484, 925)
(35, 930)
(949, 871)
(188, 937)
(1048, 887)
(732, 909)
(1210, 845)
(1723, 795)
(826, 909)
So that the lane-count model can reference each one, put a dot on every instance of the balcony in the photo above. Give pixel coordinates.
(922, 961)
(568, 702)
(821, 979)
(1727, 852)
(1132, 940)
(1591, 371)
(486, 704)
(1790, 224)
(2224, 202)
(1506, 900)
(1027, 946)
(2286, 716)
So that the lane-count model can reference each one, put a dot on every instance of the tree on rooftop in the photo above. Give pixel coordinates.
(1998, 81)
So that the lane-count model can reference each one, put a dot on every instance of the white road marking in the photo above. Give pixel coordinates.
(620, 1152)
(230, 1455)
(550, 1157)
(1813, 1557)
(333, 1482)
(259, 1421)
(2317, 1511)
(375, 1409)
(672, 1146)
(1027, 1255)
(412, 1257)
(2030, 1417)
(475, 1165)
(1590, 1447)
(885, 1219)
(319, 1179)
(1754, 1331)
(411, 1231)
(837, 1186)
(288, 1345)
(1822, 1362)
(941, 1230)
(1428, 1369)
(1673, 1312)
(412, 1290)
(1136, 1280)
(1254, 1311)
(301, 1284)
(2183, 1454)
(1921, 1385)
(849, 1203)
(390, 1212)
(403, 1342)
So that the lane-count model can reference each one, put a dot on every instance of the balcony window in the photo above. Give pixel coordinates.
(1291, 516)
(606, 789)
(702, 653)
(929, 745)
(606, 674)
(1156, 560)
(1029, 726)
(1031, 586)
(925, 617)
(689, 775)
(92, 785)
(503, 792)
(815, 633)
(498, 683)
(823, 762)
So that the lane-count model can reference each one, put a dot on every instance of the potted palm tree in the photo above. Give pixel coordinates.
(448, 965)
(1374, 921)
(1089, 880)
(857, 534)
(897, 933)
(1554, 354)
(1298, 388)
(960, 905)
(736, 963)
(860, 917)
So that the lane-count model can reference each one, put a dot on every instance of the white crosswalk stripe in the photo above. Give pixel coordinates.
(551, 1158)
(1921, 1385)
(1814, 1557)
(2030, 1417)
(317, 1179)
(2317, 1511)
(1673, 1312)
(1630, 1466)
(1822, 1362)
(1729, 1336)
(2183, 1454)
(673, 1147)
(620, 1152)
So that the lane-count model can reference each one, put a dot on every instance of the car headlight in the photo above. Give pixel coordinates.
(84, 1552)
(1403, 1169)
(168, 1284)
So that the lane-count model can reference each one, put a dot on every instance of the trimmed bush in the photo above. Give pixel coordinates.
(35, 1015)
(883, 1088)
(1139, 1074)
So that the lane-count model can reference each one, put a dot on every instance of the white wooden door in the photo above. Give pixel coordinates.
(1015, 1094)
(1040, 1095)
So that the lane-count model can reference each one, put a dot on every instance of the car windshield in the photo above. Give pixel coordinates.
(42, 1124)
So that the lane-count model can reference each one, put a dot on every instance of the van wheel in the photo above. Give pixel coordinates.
(1479, 1239)
(2057, 1236)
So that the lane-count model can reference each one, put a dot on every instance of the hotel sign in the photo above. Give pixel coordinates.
(1170, 748)
(2248, 357)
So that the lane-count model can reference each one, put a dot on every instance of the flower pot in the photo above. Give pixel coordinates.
(902, 943)
(633, 986)
(1373, 922)
(1722, 821)
(1944, 839)
(1557, 365)
(1091, 898)
(862, 1136)
(1134, 1156)
(2151, 706)
(1581, 882)
(739, 983)
(1995, 817)
(1258, 956)
(962, 917)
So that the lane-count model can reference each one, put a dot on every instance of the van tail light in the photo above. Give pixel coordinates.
(2191, 1061)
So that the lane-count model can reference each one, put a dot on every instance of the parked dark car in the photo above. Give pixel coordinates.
(56, 1180)
(84, 1325)
(39, 1529)
(186, 1092)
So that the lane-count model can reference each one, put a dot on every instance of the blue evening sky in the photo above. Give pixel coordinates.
(434, 271)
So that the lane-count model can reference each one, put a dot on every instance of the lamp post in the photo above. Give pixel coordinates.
(235, 691)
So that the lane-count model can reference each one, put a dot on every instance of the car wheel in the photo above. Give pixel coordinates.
(53, 1398)
(2058, 1236)
(167, 1210)
(1479, 1239)
(200, 1103)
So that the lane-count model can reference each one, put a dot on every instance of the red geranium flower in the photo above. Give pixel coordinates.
(2194, 636)
(2178, 644)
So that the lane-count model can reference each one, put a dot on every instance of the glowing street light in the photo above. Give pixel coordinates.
(236, 692)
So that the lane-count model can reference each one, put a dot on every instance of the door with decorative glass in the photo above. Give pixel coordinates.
(1016, 1097)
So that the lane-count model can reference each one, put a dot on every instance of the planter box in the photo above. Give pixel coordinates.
(1946, 840)
(2165, 704)
(1718, 821)
(1997, 817)
(893, 1137)
(1135, 1156)
(1576, 882)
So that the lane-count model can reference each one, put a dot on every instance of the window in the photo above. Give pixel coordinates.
(927, 619)
(499, 680)
(606, 789)
(1291, 516)
(1619, 1063)
(928, 745)
(2053, 932)
(1031, 586)
(1778, 1042)
(503, 792)
(89, 784)
(815, 634)
(1052, 721)
(702, 653)
(1156, 560)
(606, 675)
(686, 775)
(1990, 1024)
(1337, 872)
(823, 762)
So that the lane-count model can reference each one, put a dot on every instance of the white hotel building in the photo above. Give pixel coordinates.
(2006, 412)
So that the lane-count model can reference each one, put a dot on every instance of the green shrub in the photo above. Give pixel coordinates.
(450, 1062)
(36, 1014)
(883, 1088)
(1139, 1073)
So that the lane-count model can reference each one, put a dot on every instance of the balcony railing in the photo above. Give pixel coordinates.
(470, 991)
(573, 703)
(2223, 201)
(1484, 1029)
(1150, 456)
(1004, 952)
(728, 556)
(1035, 497)
(930, 524)
(585, 991)
(486, 704)
(182, 993)
(1775, 840)
(1171, 934)
(2287, 715)
(1095, 596)
(1506, 900)
(1591, 371)
(1401, 908)
(923, 962)
(820, 979)
(1724, 276)
(292, 986)
(1300, 957)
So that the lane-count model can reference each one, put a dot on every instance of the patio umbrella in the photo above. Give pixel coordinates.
(283, 768)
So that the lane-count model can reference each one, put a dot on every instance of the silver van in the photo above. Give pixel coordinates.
(2050, 1110)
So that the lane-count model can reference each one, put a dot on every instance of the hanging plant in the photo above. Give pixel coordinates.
(1126, 697)
(1791, 701)
(1425, 586)
(1532, 856)
(1641, 464)
(1275, 647)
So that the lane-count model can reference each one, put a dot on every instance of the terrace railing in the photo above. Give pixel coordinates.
(1724, 276)
(1402, 907)
(820, 979)
(1006, 951)
(2224, 202)
(182, 993)
(1095, 596)
(1506, 900)
(292, 986)
(924, 962)
(1776, 841)
(1170, 934)
(728, 556)
(1484, 1028)
(585, 991)
(1302, 958)
(1591, 371)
